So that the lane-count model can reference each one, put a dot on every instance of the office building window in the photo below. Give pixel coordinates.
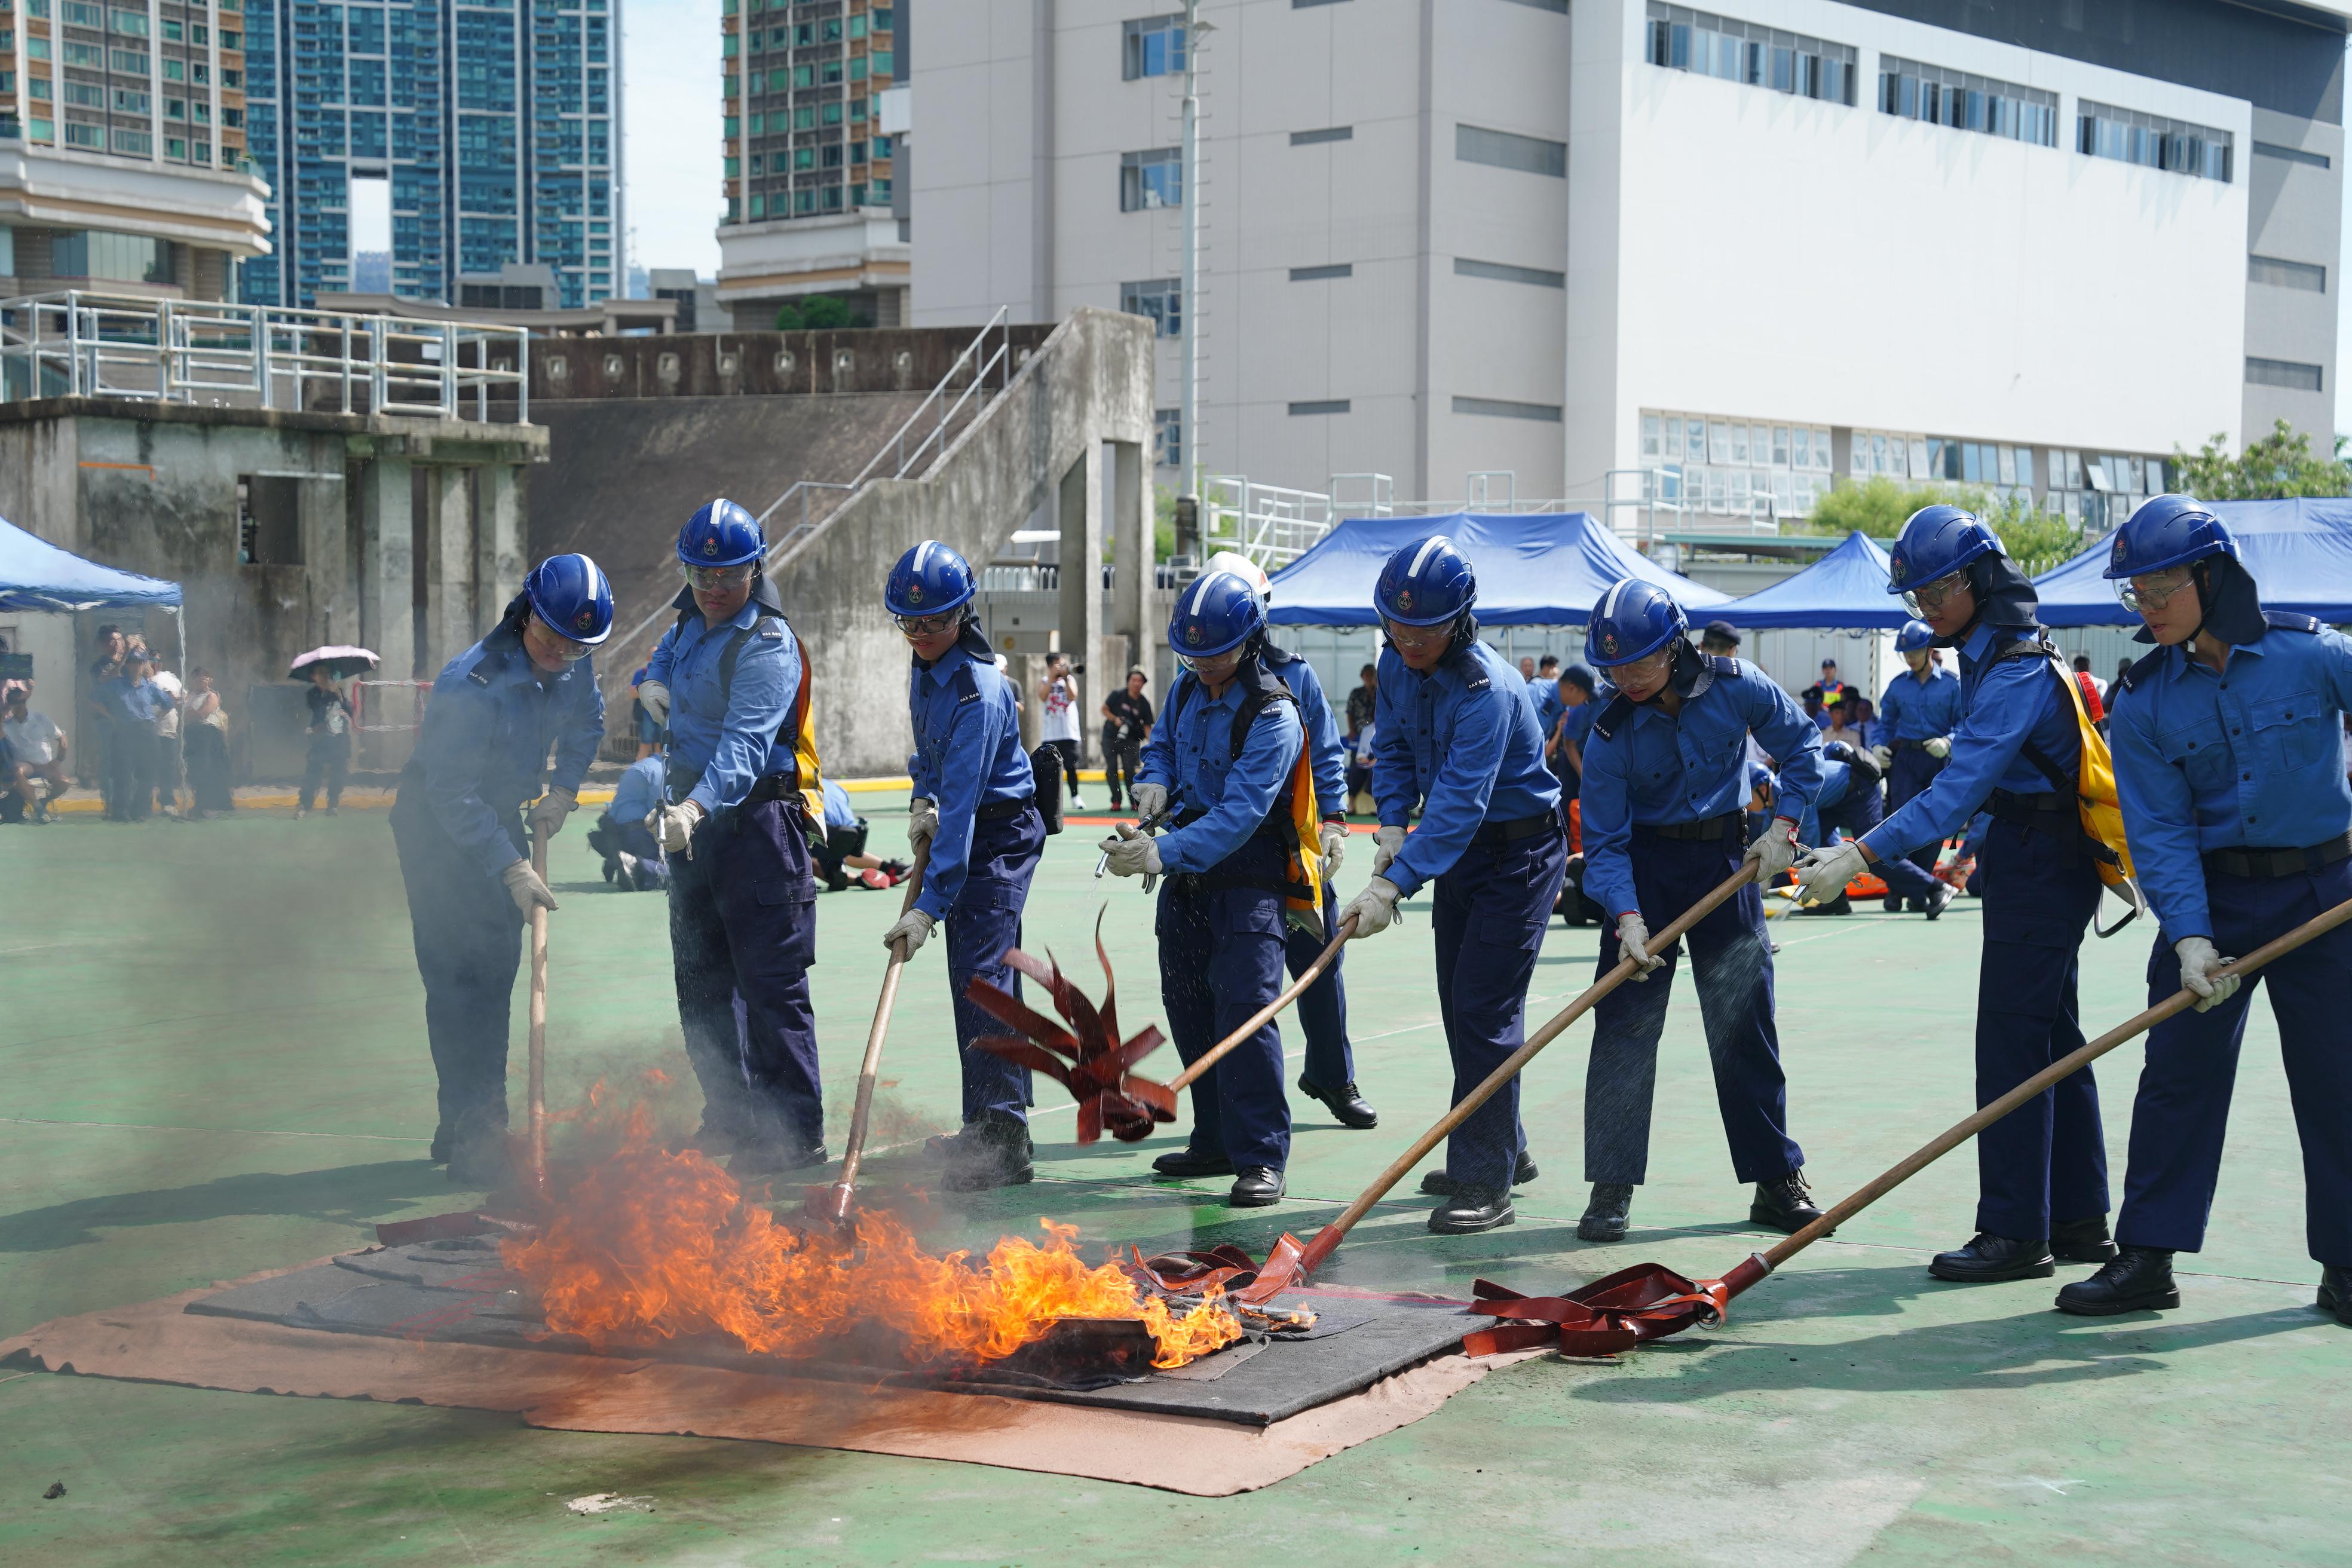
(1967, 102)
(2283, 373)
(1153, 179)
(1161, 300)
(2291, 154)
(1168, 438)
(1155, 45)
(1509, 149)
(2131, 137)
(1503, 408)
(1502, 272)
(1686, 40)
(1741, 467)
(1318, 274)
(1328, 134)
(1321, 405)
(2286, 274)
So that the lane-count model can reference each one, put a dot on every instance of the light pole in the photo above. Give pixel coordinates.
(1188, 414)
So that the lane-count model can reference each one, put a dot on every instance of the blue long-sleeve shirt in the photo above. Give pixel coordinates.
(1190, 755)
(1915, 710)
(967, 754)
(838, 811)
(488, 731)
(1654, 769)
(639, 791)
(1327, 750)
(729, 736)
(1544, 691)
(1460, 742)
(2247, 757)
(134, 703)
(2004, 704)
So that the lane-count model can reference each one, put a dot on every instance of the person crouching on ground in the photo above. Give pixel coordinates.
(633, 861)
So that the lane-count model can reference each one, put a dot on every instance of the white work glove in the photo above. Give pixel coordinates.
(1940, 747)
(1633, 937)
(1883, 756)
(546, 818)
(1151, 800)
(2199, 960)
(1335, 848)
(1823, 873)
(922, 822)
(674, 826)
(913, 928)
(1135, 856)
(656, 698)
(525, 889)
(1387, 844)
(1775, 850)
(1374, 909)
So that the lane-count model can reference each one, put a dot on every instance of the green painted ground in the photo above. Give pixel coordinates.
(212, 1053)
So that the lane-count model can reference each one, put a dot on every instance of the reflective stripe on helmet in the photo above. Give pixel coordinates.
(1420, 557)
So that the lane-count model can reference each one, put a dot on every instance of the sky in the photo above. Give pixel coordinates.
(669, 85)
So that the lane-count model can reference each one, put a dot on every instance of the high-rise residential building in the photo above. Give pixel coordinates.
(2031, 244)
(811, 174)
(498, 127)
(122, 147)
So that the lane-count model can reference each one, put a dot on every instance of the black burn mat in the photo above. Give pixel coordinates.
(456, 1291)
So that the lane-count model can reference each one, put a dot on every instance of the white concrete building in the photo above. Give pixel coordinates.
(2018, 243)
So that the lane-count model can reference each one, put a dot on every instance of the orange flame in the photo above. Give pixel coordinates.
(644, 1244)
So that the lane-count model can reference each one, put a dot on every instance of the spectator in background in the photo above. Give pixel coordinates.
(1845, 725)
(329, 729)
(1544, 692)
(2082, 673)
(207, 748)
(633, 861)
(98, 753)
(1826, 692)
(1527, 669)
(132, 703)
(1721, 639)
(2123, 668)
(1057, 726)
(1127, 725)
(844, 849)
(36, 772)
(649, 728)
(1565, 743)
(166, 765)
(1362, 702)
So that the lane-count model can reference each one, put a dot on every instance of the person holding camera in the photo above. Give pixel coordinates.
(1127, 725)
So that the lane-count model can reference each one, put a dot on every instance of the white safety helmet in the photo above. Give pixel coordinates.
(1242, 567)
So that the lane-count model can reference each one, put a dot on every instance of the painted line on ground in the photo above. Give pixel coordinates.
(231, 1132)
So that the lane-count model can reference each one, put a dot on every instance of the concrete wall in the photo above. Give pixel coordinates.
(756, 365)
(2295, 213)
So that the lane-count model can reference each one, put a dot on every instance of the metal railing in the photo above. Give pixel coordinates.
(75, 343)
(1271, 525)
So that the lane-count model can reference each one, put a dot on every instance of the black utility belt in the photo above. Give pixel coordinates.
(1002, 810)
(772, 786)
(1904, 745)
(2243, 862)
(1520, 827)
(1731, 823)
(2010, 805)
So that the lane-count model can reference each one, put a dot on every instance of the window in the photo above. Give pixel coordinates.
(1509, 149)
(1155, 45)
(1168, 438)
(1310, 5)
(1159, 299)
(2286, 274)
(1321, 405)
(130, 23)
(1318, 274)
(1558, 5)
(99, 252)
(79, 135)
(268, 519)
(2290, 154)
(1967, 102)
(2282, 372)
(75, 14)
(1330, 133)
(1502, 272)
(2131, 137)
(1704, 45)
(126, 63)
(1500, 408)
(1153, 179)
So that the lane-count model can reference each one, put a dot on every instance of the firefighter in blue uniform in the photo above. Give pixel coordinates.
(1456, 735)
(743, 799)
(2042, 1169)
(1847, 807)
(1328, 1073)
(1665, 793)
(1229, 752)
(459, 827)
(1915, 720)
(976, 806)
(2227, 747)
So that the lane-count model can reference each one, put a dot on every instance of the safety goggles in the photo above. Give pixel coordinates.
(927, 625)
(559, 646)
(2154, 591)
(1647, 668)
(1414, 639)
(1218, 665)
(713, 579)
(1931, 596)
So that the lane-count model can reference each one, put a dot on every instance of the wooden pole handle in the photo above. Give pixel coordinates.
(853, 1153)
(535, 1100)
(1256, 1020)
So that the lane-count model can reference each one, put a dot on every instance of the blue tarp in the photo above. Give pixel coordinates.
(1534, 569)
(2299, 553)
(36, 575)
(1844, 590)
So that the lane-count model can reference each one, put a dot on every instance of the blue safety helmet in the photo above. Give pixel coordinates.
(1216, 614)
(1634, 620)
(1936, 542)
(721, 534)
(1426, 583)
(570, 596)
(928, 579)
(2168, 532)
(1914, 636)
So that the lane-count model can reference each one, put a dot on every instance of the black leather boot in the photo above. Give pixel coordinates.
(996, 1153)
(1784, 1202)
(1344, 1103)
(1189, 1161)
(443, 1136)
(1940, 900)
(2336, 1293)
(2082, 1240)
(1255, 1188)
(1440, 1185)
(2137, 1279)
(1892, 903)
(1471, 1210)
(765, 1157)
(1606, 1216)
(1988, 1257)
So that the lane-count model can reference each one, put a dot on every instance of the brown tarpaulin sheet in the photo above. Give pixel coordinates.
(158, 1342)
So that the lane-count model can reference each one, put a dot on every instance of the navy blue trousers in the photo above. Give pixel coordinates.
(612, 839)
(1914, 771)
(468, 937)
(742, 934)
(981, 924)
(2183, 1106)
(1323, 1007)
(1856, 814)
(2047, 1159)
(1487, 916)
(1221, 948)
(1734, 965)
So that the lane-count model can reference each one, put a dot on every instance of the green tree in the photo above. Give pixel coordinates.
(817, 313)
(2278, 467)
(1879, 507)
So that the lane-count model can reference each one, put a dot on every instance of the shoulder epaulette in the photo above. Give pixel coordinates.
(2142, 670)
(1611, 716)
(476, 676)
(1725, 665)
(966, 683)
(2288, 621)
(2035, 646)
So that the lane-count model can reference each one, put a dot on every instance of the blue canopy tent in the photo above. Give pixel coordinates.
(1845, 591)
(2299, 553)
(36, 575)
(1545, 569)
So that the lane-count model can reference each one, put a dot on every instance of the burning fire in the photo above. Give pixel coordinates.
(641, 1243)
